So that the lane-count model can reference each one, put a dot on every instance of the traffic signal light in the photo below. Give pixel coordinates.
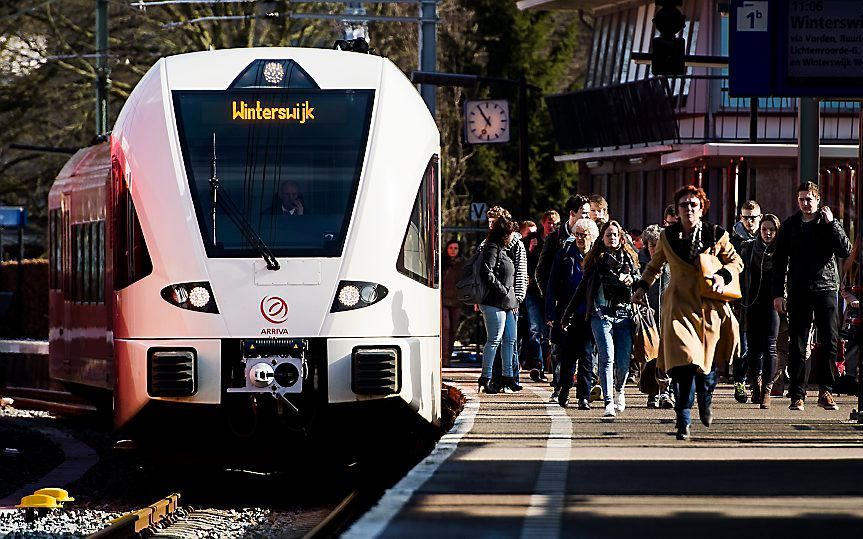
(668, 50)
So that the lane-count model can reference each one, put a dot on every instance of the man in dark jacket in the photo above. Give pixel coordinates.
(577, 207)
(807, 246)
(743, 232)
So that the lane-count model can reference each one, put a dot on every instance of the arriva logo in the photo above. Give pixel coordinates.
(274, 309)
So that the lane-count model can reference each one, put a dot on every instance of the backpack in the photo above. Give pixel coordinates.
(470, 288)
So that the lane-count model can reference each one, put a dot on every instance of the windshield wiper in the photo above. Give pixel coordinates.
(236, 216)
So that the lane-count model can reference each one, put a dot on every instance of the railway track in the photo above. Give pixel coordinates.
(167, 519)
(56, 402)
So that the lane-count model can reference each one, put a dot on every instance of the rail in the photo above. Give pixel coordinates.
(132, 524)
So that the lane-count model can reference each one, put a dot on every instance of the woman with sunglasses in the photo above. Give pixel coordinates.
(696, 331)
(610, 270)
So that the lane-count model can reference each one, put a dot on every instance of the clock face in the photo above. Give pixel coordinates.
(487, 122)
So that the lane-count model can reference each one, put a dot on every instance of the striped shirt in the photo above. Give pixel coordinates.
(519, 258)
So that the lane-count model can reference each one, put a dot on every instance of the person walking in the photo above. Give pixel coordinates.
(762, 320)
(665, 398)
(744, 231)
(499, 306)
(697, 331)
(576, 342)
(807, 246)
(577, 207)
(610, 269)
(453, 263)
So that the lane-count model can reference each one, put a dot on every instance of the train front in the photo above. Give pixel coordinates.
(275, 237)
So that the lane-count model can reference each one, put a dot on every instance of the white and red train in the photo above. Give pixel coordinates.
(260, 237)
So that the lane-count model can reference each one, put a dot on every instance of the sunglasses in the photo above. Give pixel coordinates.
(581, 236)
(751, 217)
(688, 204)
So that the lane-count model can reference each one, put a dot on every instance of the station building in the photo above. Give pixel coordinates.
(637, 138)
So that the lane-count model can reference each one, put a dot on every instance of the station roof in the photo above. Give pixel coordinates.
(560, 5)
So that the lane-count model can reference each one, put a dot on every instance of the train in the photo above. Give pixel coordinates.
(254, 249)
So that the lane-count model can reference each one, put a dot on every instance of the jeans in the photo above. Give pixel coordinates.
(577, 350)
(740, 365)
(500, 328)
(761, 332)
(802, 306)
(687, 383)
(536, 345)
(613, 338)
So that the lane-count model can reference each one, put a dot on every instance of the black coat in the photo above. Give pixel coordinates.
(553, 243)
(808, 256)
(498, 272)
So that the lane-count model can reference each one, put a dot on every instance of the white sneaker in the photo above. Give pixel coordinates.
(609, 410)
(621, 401)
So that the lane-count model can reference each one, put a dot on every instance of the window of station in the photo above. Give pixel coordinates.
(420, 251)
(620, 32)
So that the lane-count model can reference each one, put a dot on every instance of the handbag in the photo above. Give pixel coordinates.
(646, 343)
(710, 264)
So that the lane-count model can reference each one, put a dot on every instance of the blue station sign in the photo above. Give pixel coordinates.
(796, 48)
(13, 217)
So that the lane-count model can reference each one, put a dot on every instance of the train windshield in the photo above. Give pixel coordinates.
(289, 161)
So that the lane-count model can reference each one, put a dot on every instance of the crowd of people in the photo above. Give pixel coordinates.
(718, 301)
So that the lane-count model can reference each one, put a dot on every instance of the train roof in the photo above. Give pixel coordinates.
(88, 167)
(330, 69)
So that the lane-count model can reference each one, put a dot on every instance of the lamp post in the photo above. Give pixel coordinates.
(470, 81)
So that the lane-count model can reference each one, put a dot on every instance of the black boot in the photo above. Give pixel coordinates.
(485, 384)
(510, 383)
(563, 397)
(683, 432)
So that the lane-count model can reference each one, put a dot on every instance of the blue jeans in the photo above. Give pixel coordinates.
(613, 338)
(687, 382)
(500, 329)
(536, 345)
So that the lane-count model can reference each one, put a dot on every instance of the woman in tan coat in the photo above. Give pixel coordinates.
(697, 332)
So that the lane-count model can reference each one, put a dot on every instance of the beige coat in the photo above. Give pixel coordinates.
(694, 330)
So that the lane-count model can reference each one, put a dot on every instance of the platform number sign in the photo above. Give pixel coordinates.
(477, 211)
(486, 121)
(752, 17)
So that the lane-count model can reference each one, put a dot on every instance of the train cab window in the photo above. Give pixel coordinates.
(289, 160)
(420, 249)
(131, 257)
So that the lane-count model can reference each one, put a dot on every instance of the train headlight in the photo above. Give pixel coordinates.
(197, 296)
(179, 294)
(349, 295)
(356, 295)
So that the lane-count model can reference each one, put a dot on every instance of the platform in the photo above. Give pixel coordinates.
(515, 465)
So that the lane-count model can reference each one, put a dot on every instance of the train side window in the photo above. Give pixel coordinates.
(420, 251)
(55, 236)
(77, 263)
(85, 254)
(101, 253)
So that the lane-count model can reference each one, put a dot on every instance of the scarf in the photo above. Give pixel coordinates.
(695, 242)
